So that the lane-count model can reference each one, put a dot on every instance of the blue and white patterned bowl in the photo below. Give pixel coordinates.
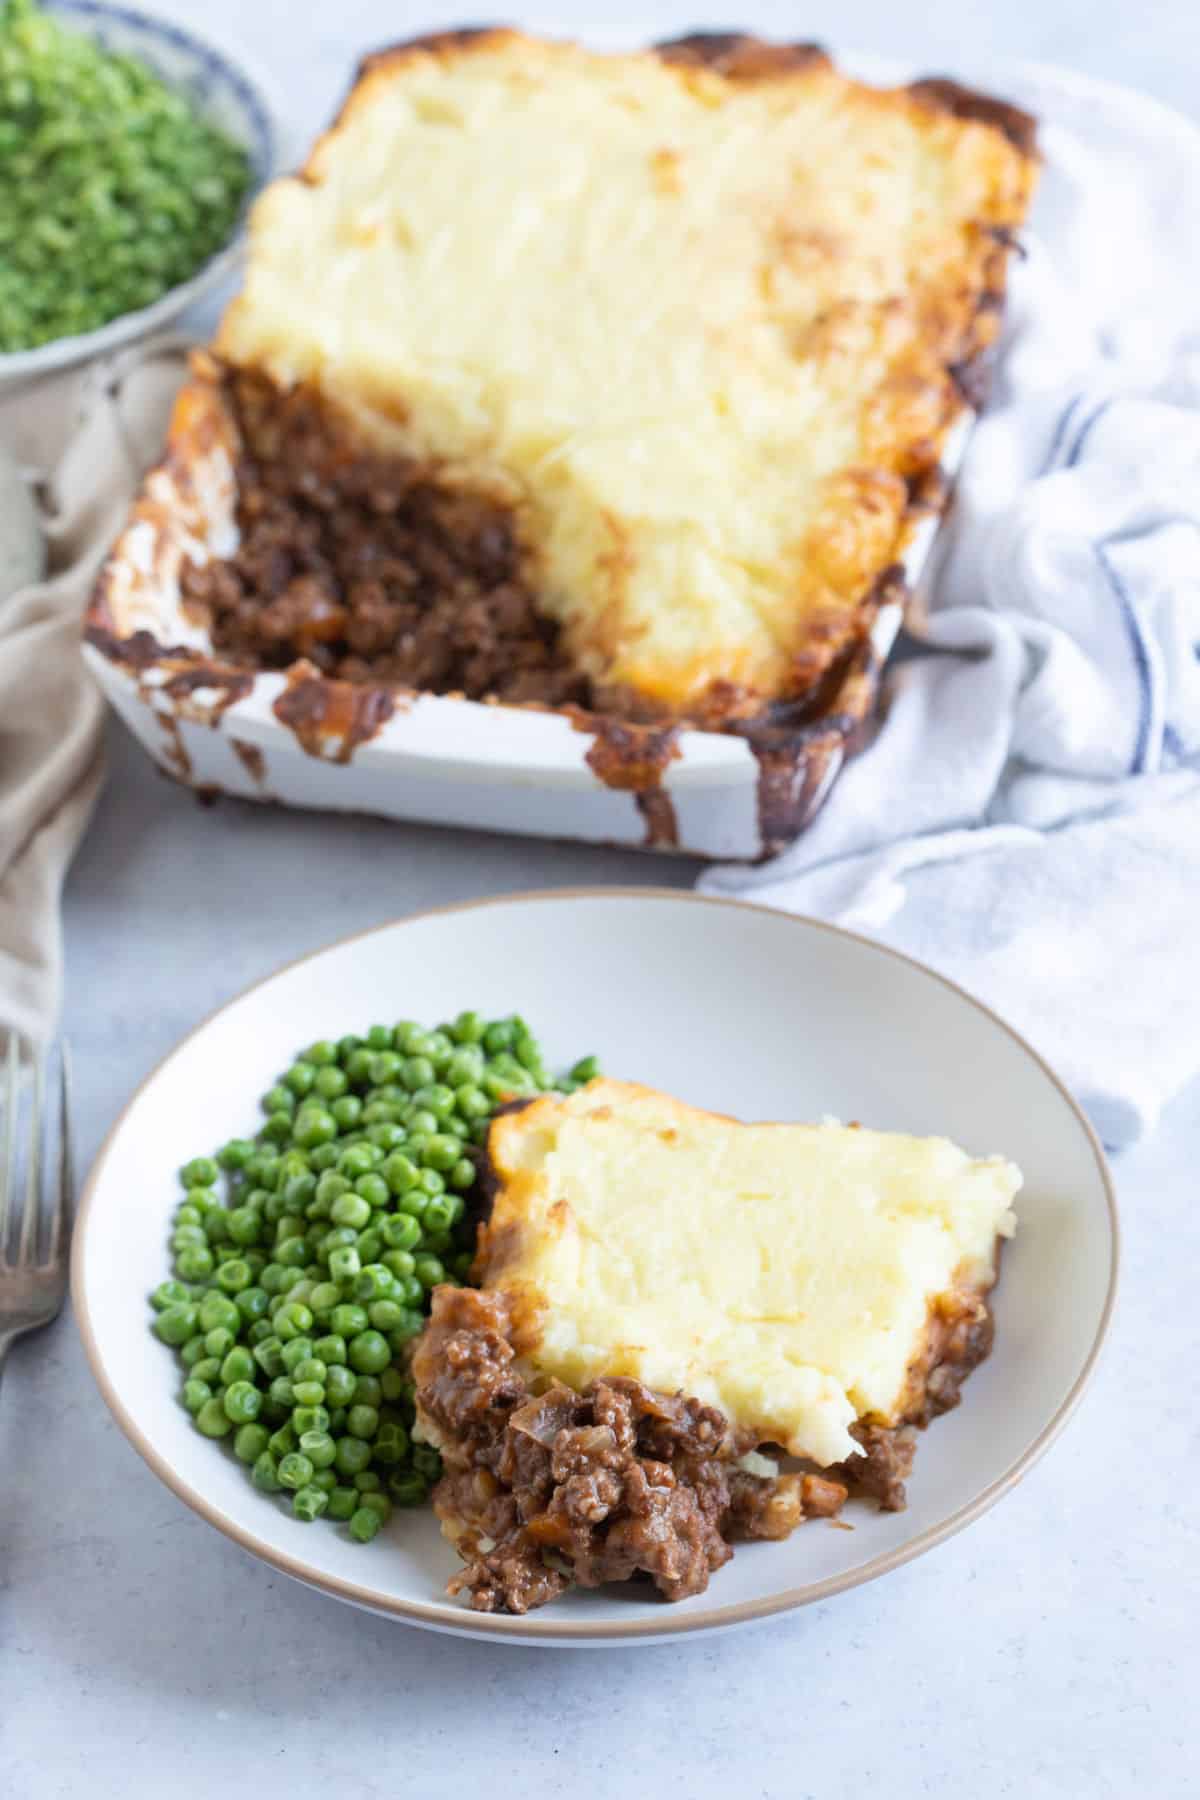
(223, 94)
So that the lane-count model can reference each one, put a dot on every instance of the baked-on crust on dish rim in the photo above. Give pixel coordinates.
(708, 361)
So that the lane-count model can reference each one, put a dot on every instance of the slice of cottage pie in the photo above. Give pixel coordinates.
(665, 1293)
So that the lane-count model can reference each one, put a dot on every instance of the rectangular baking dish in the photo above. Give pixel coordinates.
(304, 740)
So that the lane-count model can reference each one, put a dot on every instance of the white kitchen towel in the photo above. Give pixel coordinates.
(83, 438)
(1027, 817)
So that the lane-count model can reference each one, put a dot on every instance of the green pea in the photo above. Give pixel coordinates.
(324, 1298)
(385, 1315)
(268, 1354)
(386, 1135)
(429, 1271)
(195, 1262)
(368, 1352)
(370, 1244)
(352, 1455)
(300, 1077)
(367, 1482)
(344, 1265)
(257, 1331)
(319, 1448)
(233, 1275)
(216, 1225)
(308, 1503)
(242, 1402)
(309, 1393)
(348, 1319)
(373, 1188)
(188, 1237)
(281, 1391)
(324, 1156)
(201, 1172)
(401, 1262)
(292, 1253)
(237, 1154)
(282, 1442)
(461, 1264)
(343, 1503)
(362, 1422)
(195, 1394)
(432, 1182)
(463, 1067)
(296, 1351)
(347, 1110)
(293, 1320)
(325, 1479)
(399, 1172)
(441, 1152)
(384, 1066)
(339, 1382)
(427, 1461)
(393, 1386)
(219, 1341)
(192, 1351)
(379, 1504)
(374, 1282)
(364, 1524)
(273, 1277)
(391, 1444)
(408, 1488)
(263, 1170)
(213, 1420)
(402, 1336)
(413, 1203)
(278, 1099)
(245, 1224)
(295, 1470)
(356, 1160)
(439, 1214)
(310, 1418)
(468, 1028)
(264, 1474)
(471, 1101)
(252, 1303)
(238, 1365)
(314, 1126)
(400, 1233)
(250, 1442)
(462, 1175)
(352, 1209)
(330, 1349)
(367, 1391)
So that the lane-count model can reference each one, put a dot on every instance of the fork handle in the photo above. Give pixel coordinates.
(7, 1339)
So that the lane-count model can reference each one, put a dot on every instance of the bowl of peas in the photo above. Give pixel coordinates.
(130, 152)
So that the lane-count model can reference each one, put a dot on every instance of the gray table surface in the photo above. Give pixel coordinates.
(1051, 1650)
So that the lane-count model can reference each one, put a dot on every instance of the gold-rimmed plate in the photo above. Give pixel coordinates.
(730, 1006)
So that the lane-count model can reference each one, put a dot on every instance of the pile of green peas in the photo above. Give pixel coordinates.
(304, 1259)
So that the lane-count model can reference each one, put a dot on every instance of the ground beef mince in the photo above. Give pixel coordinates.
(369, 568)
(611, 1484)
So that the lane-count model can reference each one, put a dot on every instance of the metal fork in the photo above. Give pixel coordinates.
(33, 1268)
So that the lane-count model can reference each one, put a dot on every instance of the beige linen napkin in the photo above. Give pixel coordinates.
(85, 437)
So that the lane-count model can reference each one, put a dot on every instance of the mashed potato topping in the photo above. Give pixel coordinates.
(784, 1273)
(698, 328)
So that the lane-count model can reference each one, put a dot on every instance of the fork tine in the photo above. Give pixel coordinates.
(33, 1172)
(64, 1196)
(8, 1172)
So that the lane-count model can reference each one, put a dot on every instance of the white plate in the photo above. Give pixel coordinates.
(731, 1007)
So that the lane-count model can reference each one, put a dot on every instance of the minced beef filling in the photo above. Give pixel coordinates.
(614, 1483)
(619, 1482)
(370, 570)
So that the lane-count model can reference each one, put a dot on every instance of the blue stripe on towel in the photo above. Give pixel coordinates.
(1141, 660)
(1060, 432)
(1085, 431)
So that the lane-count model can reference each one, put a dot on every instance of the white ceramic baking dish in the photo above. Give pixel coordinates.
(428, 757)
